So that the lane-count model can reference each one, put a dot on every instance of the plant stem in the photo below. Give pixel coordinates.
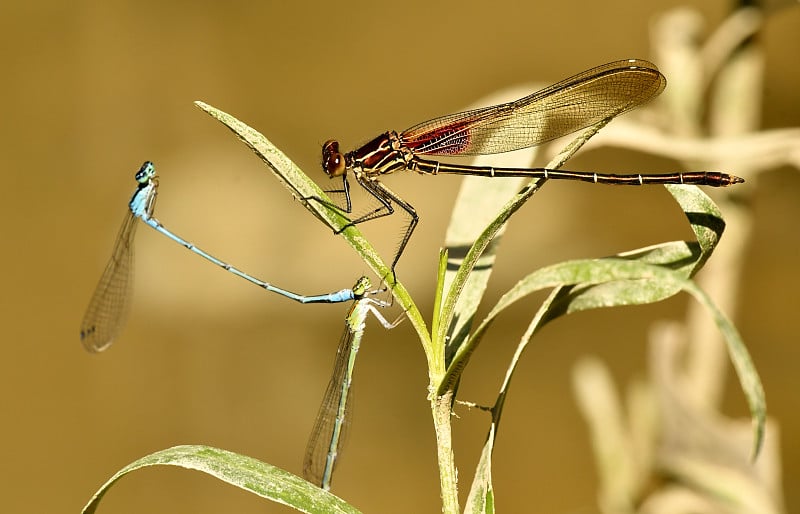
(448, 475)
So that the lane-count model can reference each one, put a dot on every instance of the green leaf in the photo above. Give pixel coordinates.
(478, 203)
(303, 189)
(704, 217)
(483, 241)
(238, 470)
(454, 320)
(652, 282)
(481, 493)
(684, 257)
(460, 280)
(706, 222)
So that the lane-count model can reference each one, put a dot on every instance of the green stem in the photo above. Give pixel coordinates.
(448, 476)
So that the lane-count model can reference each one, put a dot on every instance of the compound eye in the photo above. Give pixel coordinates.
(146, 172)
(332, 159)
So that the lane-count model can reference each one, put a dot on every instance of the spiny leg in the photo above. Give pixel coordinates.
(386, 197)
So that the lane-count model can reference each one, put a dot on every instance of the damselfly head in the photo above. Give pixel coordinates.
(146, 172)
(332, 159)
(361, 287)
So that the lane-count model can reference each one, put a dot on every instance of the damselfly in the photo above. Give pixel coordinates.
(109, 305)
(332, 420)
(575, 103)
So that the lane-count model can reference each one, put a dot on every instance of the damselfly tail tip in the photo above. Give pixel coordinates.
(719, 179)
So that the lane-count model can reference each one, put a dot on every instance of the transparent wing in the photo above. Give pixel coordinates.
(332, 422)
(562, 108)
(110, 302)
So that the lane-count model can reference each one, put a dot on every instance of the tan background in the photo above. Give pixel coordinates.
(91, 89)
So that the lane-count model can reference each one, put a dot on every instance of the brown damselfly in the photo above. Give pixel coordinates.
(573, 104)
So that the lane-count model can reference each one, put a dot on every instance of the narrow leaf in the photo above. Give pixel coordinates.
(481, 494)
(654, 281)
(241, 471)
(303, 189)
(704, 218)
(705, 221)
(459, 280)
(478, 203)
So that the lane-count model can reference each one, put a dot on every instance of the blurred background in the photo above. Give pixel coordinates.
(91, 89)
